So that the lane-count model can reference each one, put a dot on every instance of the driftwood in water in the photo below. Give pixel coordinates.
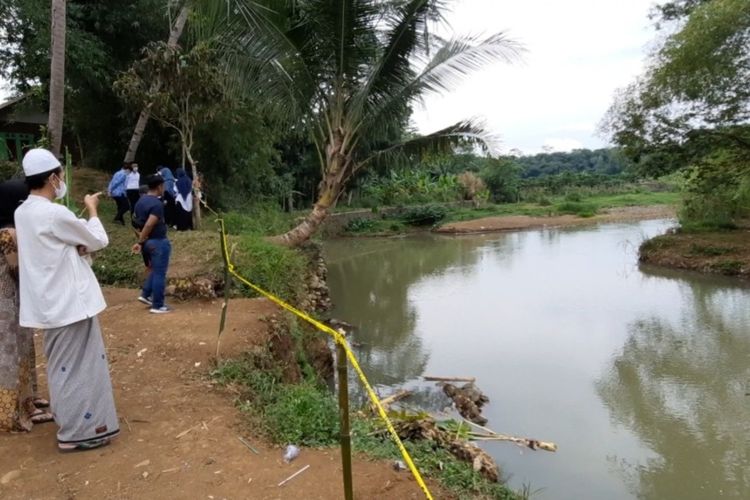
(393, 398)
(450, 379)
(490, 435)
(468, 401)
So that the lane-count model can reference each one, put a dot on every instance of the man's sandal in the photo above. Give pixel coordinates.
(84, 446)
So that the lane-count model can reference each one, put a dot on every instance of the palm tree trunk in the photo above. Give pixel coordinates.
(140, 126)
(330, 191)
(57, 77)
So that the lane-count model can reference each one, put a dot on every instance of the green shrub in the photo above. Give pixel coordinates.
(303, 414)
(425, 215)
(544, 201)
(360, 225)
(9, 170)
(574, 208)
(276, 269)
(574, 197)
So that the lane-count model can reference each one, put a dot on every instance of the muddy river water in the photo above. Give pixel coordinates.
(640, 375)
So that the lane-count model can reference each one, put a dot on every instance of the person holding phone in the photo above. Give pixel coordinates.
(59, 294)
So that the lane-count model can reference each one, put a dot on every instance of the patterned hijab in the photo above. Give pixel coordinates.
(12, 194)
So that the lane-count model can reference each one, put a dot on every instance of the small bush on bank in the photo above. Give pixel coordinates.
(360, 225)
(573, 208)
(426, 215)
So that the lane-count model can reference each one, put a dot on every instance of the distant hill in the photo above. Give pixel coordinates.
(599, 161)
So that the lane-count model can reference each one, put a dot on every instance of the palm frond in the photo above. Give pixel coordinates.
(472, 131)
(451, 63)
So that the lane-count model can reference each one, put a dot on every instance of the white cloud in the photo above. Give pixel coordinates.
(557, 144)
(578, 53)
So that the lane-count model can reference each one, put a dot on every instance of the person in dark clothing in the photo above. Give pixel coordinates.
(153, 244)
(170, 215)
(184, 201)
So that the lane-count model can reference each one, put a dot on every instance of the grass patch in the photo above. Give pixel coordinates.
(728, 267)
(303, 414)
(277, 269)
(710, 250)
(260, 221)
(581, 209)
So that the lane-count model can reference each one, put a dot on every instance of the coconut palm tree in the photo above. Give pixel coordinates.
(349, 71)
(57, 77)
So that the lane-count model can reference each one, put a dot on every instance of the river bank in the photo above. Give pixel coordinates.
(723, 252)
(521, 222)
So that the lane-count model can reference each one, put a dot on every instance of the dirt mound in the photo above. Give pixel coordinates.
(159, 366)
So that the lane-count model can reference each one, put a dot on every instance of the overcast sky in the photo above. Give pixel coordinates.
(578, 53)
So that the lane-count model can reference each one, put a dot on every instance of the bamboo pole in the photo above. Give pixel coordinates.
(490, 435)
(393, 398)
(346, 438)
(450, 379)
(227, 290)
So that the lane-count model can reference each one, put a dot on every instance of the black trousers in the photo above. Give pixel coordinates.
(123, 205)
(133, 197)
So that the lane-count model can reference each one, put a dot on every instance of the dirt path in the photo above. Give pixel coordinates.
(159, 365)
(519, 222)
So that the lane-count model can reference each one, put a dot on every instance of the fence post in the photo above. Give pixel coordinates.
(346, 438)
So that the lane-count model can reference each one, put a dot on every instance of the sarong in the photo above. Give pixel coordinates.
(79, 385)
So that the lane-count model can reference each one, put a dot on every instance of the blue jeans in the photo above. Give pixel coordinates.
(156, 254)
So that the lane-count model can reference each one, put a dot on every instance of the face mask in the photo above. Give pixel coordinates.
(61, 190)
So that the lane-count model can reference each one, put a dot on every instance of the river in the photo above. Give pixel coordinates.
(641, 376)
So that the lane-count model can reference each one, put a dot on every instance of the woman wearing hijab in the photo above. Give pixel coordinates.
(184, 201)
(169, 193)
(18, 404)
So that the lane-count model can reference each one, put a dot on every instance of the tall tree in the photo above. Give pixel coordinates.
(57, 76)
(191, 91)
(140, 126)
(350, 72)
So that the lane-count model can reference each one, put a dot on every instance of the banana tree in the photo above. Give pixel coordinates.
(349, 72)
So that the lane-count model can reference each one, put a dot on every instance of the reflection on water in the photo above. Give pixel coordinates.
(639, 375)
(681, 383)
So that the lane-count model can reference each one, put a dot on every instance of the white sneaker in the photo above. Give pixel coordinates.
(145, 300)
(160, 310)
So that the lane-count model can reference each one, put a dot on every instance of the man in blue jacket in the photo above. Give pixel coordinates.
(118, 191)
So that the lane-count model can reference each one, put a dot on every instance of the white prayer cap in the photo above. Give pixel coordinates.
(38, 161)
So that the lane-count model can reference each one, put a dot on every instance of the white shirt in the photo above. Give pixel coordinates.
(58, 286)
(134, 181)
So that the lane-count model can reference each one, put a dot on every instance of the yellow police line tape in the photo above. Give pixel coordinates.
(340, 339)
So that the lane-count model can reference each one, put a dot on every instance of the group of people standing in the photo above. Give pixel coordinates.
(125, 189)
(46, 283)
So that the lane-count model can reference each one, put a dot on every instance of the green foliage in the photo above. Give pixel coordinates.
(580, 209)
(407, 187)
(360, 225)
(425, 215)
(276, 269)
(259, 219)
(502, 177)
(9, 170)
(117, 266)
(304, 414)
(728, 267)
(603, 162)
(101, 41)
